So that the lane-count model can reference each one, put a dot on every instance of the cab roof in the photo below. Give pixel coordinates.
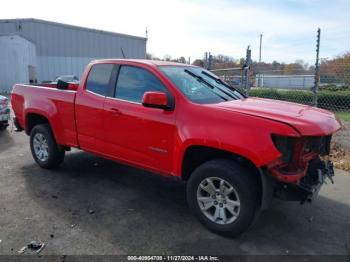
(142, 61)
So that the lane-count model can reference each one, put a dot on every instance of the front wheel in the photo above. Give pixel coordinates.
(223, 196)
(45, 150)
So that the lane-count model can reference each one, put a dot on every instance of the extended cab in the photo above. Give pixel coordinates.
(236, 153)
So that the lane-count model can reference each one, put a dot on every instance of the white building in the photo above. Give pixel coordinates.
(286, 81)
(36, 50)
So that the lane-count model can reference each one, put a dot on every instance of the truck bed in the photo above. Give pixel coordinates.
(55, 104)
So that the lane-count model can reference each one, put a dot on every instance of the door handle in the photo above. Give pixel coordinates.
(116, 111)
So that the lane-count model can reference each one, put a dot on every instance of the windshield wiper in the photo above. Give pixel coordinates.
(219, 81)
(212, 86)
(201, 79)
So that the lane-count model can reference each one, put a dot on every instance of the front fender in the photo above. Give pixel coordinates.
(242, 135)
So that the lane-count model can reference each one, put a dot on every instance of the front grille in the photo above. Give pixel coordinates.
(318, 144)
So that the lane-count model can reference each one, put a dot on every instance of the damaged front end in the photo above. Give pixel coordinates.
(303, 167)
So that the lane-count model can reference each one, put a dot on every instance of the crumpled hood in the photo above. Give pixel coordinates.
(308, 120)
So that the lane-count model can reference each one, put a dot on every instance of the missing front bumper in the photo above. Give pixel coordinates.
(309, 186)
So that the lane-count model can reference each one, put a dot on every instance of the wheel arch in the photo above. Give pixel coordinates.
(35, 118)
(195, 155)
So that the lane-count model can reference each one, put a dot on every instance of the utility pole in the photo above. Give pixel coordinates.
(246, 69)
(317, 68)
(260, 48)
(146, 40)
(259, 75)
(206, 60)
(210, 61)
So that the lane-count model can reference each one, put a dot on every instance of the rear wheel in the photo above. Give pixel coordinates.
(223, 196)
(45, 150)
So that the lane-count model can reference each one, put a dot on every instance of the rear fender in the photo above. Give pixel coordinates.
(50, 114)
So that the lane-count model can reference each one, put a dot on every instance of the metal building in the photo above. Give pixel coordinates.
(36, 50)
(286, 81)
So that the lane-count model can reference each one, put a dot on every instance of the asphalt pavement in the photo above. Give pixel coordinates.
(95, 206)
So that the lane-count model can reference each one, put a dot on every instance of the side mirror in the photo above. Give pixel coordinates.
(62, 85)
(156, 100)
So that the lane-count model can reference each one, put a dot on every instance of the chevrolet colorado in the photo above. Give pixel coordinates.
(235, 153)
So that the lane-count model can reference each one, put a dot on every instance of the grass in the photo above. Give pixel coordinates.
(345, 116)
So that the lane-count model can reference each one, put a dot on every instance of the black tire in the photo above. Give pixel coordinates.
(55, 153)
(3, 125)
(245, 185)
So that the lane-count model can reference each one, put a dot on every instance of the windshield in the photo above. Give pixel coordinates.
(200, 85)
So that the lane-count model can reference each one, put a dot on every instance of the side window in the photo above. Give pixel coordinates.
(133, 82)
(98, 79)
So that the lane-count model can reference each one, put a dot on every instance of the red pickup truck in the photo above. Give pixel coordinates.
(236, 153)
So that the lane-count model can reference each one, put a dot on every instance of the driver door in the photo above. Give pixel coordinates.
(136, 134)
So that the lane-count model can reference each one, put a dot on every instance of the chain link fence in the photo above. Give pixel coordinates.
(332, 92)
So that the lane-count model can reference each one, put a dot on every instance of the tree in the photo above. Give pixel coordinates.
(181, 60)
(198, 62)
(302, 64)
(242, 61)
(337, 69)
(167, 57)
(293, 68)
(149, 56)
(276, 64)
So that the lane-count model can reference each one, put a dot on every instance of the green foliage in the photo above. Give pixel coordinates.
(333, 87)
(331, 100)
(344, 116)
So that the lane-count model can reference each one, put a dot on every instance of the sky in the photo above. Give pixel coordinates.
(190, 28)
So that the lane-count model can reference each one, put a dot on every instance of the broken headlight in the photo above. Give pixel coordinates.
(318, 144)
(284, 145)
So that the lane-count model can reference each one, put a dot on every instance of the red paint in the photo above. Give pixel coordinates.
(157, 139)
(71, 86)
(155, 98)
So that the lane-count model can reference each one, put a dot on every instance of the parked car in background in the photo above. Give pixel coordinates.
(4, 112)
(235, 153)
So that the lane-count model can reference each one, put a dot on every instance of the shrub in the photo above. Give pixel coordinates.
(331, 100)
(333, 87)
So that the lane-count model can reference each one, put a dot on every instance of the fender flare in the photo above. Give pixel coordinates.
(267, 187)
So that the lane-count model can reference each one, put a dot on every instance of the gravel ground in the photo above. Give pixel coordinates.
(341, 147)
(343, 136)
(94, 206)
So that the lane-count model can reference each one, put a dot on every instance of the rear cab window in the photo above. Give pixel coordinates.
(99, 78)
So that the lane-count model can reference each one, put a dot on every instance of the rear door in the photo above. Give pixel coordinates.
(89, 107)
(134, 133)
